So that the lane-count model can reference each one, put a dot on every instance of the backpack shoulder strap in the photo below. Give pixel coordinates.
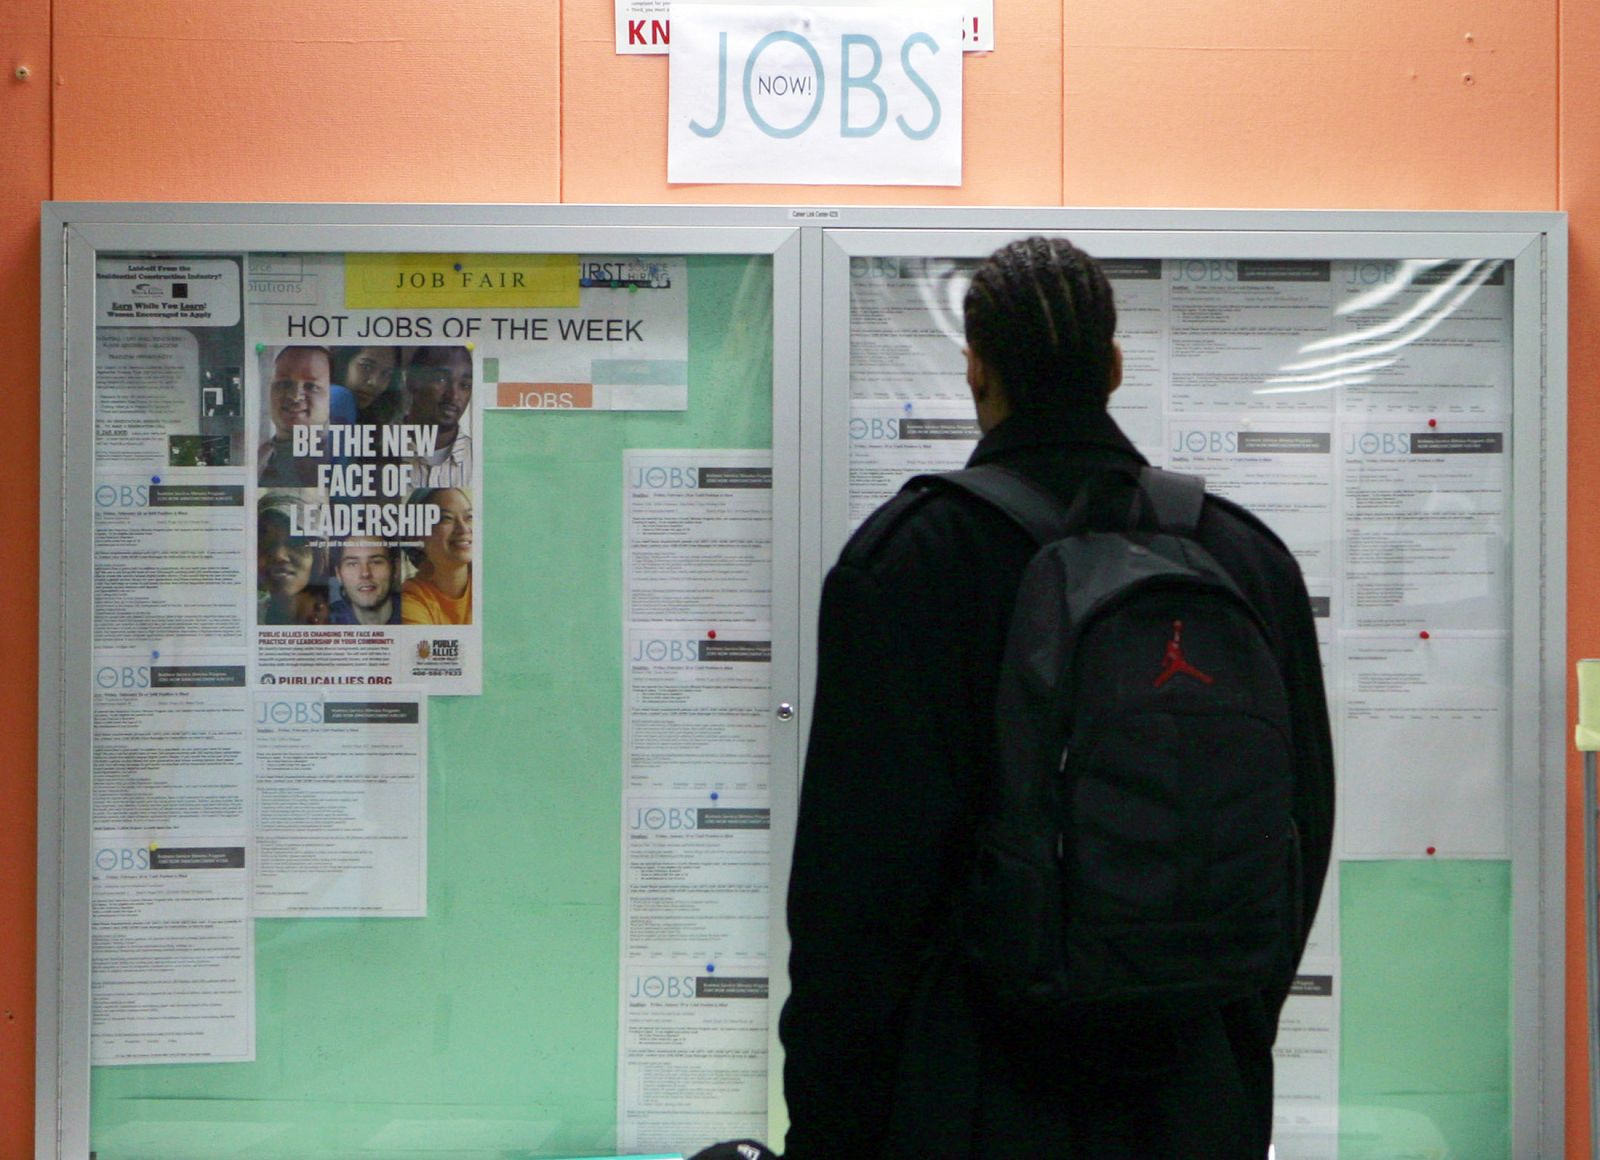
(1030, 506)
(1176, 499)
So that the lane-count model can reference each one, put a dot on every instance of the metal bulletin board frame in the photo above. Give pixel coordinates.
(1536, 246)
(811, 249)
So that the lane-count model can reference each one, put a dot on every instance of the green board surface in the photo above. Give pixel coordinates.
(488, 1028)
(1425, 1026)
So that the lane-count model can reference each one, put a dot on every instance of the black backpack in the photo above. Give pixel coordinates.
(1140, 863)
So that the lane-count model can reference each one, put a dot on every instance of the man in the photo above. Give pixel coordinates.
(439, 381)
(298, 395)
(890, 1051)
(365, 569)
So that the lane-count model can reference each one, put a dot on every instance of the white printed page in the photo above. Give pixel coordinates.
(1305, 1066)
(699, 711)
(341, 803)
(168, 367)
(1282, 471)
(1233, 325)
(892, 441)
(169, 563)
(172, 742)
(144, 393)
(1139, 286)
(698, 537)
(1417, 338)
(906, 331)
(695, 874)
(173, 976)
(1424, 528)
(692, 1059)
(1425, 745)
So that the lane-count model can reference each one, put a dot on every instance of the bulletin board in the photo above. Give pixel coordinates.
(339, 856)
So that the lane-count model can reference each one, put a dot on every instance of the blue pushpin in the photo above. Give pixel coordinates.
(155, 654)
(155, 479)
(711, 968)
(458, 267)
(715, 795)
(908, 408)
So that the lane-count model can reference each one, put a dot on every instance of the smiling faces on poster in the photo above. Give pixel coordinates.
(298, 396)
(325, 408)
(372, 375)
(355, 483)
(440, 591)
(367, 571)
(302, 377)
(439, 384)
(290, 585)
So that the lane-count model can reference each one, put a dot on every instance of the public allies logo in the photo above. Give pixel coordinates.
(437, 657)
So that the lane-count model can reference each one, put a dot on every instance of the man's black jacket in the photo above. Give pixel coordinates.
(901, 758)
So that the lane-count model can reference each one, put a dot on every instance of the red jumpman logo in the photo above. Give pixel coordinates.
(1174, 662)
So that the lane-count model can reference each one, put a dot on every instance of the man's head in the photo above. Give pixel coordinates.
(298, 392)
(365, 569)
(439, 379)
(1041, 326)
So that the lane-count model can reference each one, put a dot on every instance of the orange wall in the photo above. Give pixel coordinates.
(1328, 103)
(1580, 196)
(375, 100)
(1434, 104)
(24, 181)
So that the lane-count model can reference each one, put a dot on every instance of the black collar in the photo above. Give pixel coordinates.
(1085, 427)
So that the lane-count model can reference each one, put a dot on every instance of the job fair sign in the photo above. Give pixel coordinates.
(815, 96)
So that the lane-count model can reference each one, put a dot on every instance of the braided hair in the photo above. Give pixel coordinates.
(1040, 314)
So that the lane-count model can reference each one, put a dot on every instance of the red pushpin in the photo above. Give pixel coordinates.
(1423, 634)
(1432, 851)
(711, 634)
(1433, 422)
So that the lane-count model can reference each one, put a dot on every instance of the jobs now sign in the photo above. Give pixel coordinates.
(815, 96)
